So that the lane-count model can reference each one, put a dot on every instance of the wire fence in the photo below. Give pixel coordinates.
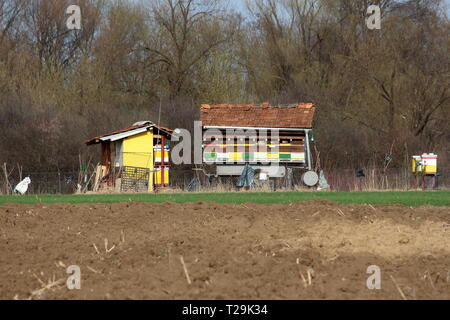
(339, 180)
(69, 182)
(43, 182)
(389, 179)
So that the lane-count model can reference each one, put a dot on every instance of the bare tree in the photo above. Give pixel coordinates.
(55, 45)
(184, 34)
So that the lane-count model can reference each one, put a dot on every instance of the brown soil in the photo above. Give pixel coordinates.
(230, 251)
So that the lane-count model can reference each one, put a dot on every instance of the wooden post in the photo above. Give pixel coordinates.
(106, 161)
(163, 153)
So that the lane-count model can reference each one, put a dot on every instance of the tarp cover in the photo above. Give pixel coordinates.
(247, 176)
(22, 187)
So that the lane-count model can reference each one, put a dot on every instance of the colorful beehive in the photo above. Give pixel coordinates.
(236, 157)
(259, 135)
(426, 163)
(158, 177)
(162, 164)
(158, 154)
(429, 162)
(416, 164)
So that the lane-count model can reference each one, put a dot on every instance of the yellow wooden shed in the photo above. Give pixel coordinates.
(134, 159)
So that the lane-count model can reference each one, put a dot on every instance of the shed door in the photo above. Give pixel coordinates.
(119, 153)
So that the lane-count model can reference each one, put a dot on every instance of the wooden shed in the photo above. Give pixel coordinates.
(134, 159)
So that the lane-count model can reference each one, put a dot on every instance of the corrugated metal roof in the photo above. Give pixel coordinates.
(300, 115)
(123, 135)
(132, 130)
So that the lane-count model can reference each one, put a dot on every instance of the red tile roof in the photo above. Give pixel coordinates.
(300, 115)
(161, 128)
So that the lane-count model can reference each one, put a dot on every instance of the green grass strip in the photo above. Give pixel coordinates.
(413, 198)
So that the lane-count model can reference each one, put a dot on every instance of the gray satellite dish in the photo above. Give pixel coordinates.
(310, 178)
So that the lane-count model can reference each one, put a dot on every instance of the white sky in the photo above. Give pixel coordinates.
(240, 5)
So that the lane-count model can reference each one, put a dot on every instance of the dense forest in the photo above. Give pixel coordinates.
(380, 94)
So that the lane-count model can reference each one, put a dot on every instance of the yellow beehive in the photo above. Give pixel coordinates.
(273, 156)
(429, 162)
(158, 180)
(417, 164)
(235, 157)
(158, 155)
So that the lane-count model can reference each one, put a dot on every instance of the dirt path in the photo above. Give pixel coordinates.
(230, 251)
